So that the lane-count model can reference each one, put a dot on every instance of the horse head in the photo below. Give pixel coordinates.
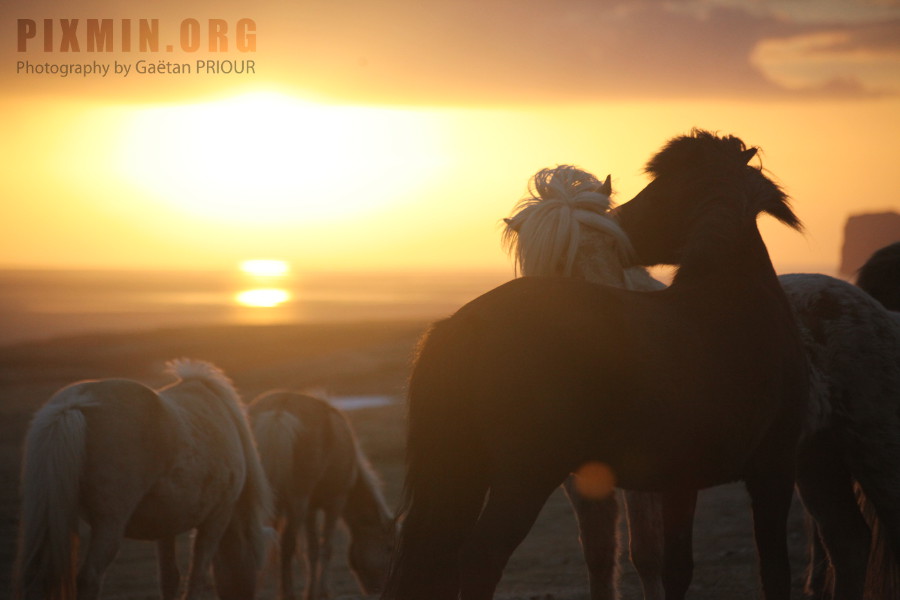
(703, 195)
(566, 209)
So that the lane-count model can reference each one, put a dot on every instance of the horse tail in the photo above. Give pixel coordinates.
(254, 506)
(51, 476)
(276, 433)
(883, 573)
(446, 476)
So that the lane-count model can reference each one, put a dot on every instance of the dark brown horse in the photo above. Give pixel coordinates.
(316, 468)
(852, 426)
(698, 384)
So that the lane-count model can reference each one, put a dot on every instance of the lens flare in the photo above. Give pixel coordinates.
(595, 480)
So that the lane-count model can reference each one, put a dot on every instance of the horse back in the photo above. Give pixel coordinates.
(322, 449)
(129, 445)
(208, 467)
(633, 365)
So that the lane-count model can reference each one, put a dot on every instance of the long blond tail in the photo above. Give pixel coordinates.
(51, 475)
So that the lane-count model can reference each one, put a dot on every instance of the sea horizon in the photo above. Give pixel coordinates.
(39, 304)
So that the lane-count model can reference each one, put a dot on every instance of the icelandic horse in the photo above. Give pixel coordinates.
(138, 463)
(564, 228)
(673, 390)
(316, 467)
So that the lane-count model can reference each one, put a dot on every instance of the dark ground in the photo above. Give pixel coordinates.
(340, 359)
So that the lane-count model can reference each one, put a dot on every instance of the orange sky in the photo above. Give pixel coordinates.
(399, 136)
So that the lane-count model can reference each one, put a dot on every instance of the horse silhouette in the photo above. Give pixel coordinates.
(880, 276)
(674, 390)
(853, 348)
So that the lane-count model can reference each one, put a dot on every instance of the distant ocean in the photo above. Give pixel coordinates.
(43, 304)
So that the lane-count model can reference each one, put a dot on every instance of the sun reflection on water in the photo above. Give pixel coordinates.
(259, 275)
(262, 297)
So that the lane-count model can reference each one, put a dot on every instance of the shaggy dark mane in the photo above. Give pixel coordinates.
(687, 152)
(704, 151)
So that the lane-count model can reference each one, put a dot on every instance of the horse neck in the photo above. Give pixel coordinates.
(735, 253)
(366, 511)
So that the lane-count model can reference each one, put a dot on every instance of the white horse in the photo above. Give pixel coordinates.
(316, 466)
(853, 420)
(136, 463)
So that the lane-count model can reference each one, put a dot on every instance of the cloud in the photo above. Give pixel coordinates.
(846, 60)
(526, 52)
(529, 51)
(571, 50)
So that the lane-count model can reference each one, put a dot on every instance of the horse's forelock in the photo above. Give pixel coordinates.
(702, 150)
(566, 183)
(545, 230)
(687, 152)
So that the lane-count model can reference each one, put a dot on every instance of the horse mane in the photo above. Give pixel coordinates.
(186, 369)
(705, 152)
(545, 232)
(254, 508)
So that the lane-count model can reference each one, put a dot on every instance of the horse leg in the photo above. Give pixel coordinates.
(106, 538)
(874, 459)
(206, 542)
(599, 541)
(288, 549)
(826, 489)
(313, 555)
(167, 563)
(511, 510)
(329, 523)
(819, 572)
(678, 541)
(645, 533)
(771, 495)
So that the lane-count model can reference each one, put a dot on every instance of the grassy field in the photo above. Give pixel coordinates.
(338, 360)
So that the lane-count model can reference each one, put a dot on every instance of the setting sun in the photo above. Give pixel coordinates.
(265, 267)
(269, 158)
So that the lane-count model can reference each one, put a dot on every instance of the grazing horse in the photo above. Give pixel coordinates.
(701, 383)
(880, 276)
(143, 464)
(315, 465)
(854, 354)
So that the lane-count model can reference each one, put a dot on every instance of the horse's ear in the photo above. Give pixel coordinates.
(512, 224)
(748, 154)
(606, 188)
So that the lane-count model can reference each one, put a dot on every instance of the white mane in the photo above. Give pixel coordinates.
(189, 368)
(545, 235)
